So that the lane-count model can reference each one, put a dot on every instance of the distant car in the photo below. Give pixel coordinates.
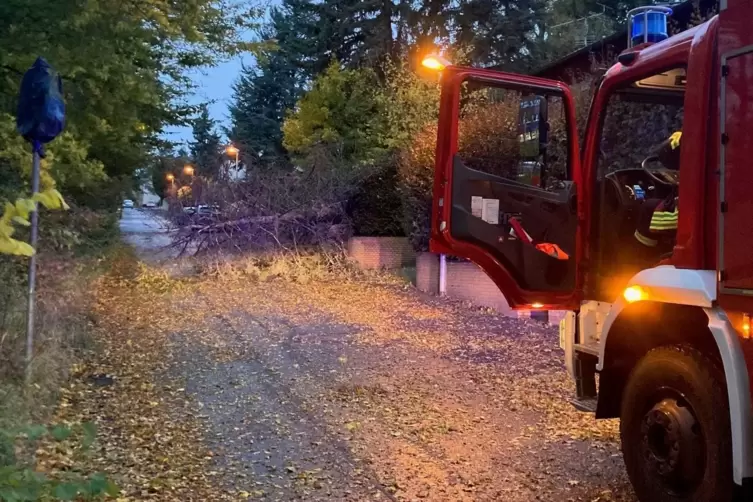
(206, 209)
(128, 203)
(149, 204)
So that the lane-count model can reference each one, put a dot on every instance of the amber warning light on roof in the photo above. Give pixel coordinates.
(435, 62)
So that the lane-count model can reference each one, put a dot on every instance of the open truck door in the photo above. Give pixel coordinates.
(507, 182)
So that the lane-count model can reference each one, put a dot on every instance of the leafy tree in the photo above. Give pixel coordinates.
(125, 66)
(206, 148)
(343, 112)
(410, 102)
(262, 95)
(164, 165)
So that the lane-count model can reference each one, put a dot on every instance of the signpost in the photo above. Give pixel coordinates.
(40, 119)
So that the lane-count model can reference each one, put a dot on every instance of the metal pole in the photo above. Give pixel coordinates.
(32, 264)
(442, 274)
(236, 162)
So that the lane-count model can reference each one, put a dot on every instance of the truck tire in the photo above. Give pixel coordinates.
(675, 431)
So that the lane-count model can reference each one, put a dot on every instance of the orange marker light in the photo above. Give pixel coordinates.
(746, 326)
(634, 294)
(537, 305)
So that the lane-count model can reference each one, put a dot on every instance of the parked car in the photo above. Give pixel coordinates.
(128, 203)
(149, 205)
(206, 209)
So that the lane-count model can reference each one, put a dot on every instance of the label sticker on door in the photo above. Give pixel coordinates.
(490, 212)
(477, 206)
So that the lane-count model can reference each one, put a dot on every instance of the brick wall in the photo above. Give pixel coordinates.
(381, 252)
(466, 281)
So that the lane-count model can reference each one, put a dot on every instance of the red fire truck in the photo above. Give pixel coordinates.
(656, 336)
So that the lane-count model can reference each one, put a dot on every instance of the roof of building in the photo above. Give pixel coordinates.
(681, 13)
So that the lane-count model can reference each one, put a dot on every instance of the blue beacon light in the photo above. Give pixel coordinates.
(648, 25)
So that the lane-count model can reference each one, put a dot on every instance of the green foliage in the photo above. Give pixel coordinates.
(206, 148)
(125, 68)
(409, 101)
(343, 112)
(263, 93)
(375, 209)
(415, 178)
(19, 482)
(167, 164)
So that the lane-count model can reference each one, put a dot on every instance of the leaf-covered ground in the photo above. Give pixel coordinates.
(233, 389)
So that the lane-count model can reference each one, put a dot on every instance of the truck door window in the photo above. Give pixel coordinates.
(511, 196)
(517, 135)
(632, 179)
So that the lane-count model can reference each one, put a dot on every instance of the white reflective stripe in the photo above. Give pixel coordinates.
(645, 240)
(738, 393)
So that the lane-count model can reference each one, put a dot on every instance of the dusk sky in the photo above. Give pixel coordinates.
(215, 86)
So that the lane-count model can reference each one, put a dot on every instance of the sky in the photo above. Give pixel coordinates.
(214, 86)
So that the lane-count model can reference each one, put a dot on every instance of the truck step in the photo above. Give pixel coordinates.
(587, 405)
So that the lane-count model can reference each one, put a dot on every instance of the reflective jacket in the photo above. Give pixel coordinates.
(658, 221)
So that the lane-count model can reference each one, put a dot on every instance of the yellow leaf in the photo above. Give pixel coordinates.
(21, 221)
(24, 207)
(9, 213)
(46, 199)
(14, 247)
(51, 199)
(6, 229)
(60, 199)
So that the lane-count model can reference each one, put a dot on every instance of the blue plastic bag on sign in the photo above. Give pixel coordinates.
(41, 108)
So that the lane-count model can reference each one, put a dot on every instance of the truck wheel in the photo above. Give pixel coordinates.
(674, 426)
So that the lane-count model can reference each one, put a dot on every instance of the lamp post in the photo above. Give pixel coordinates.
(233, 151)
(189, 170)
(170, 177)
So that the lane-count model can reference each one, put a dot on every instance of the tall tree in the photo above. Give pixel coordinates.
(125, 66)
(262, 94)
(206, 148)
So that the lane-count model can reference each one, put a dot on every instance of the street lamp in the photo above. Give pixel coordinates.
(170, 177)
(233, 151)
(188, 170)
(435, 62)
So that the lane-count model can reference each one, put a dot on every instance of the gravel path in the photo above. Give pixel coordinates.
(342, 390)
(331, 392)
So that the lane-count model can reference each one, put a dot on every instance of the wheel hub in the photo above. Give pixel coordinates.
(671, 445)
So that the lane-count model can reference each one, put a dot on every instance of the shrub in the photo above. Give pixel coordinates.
(375, 209)
(415, 179)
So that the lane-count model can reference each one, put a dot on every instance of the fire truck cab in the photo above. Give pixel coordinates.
(658, 336)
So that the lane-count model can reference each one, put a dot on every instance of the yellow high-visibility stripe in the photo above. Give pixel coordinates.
(664, 220)
(674, 140)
